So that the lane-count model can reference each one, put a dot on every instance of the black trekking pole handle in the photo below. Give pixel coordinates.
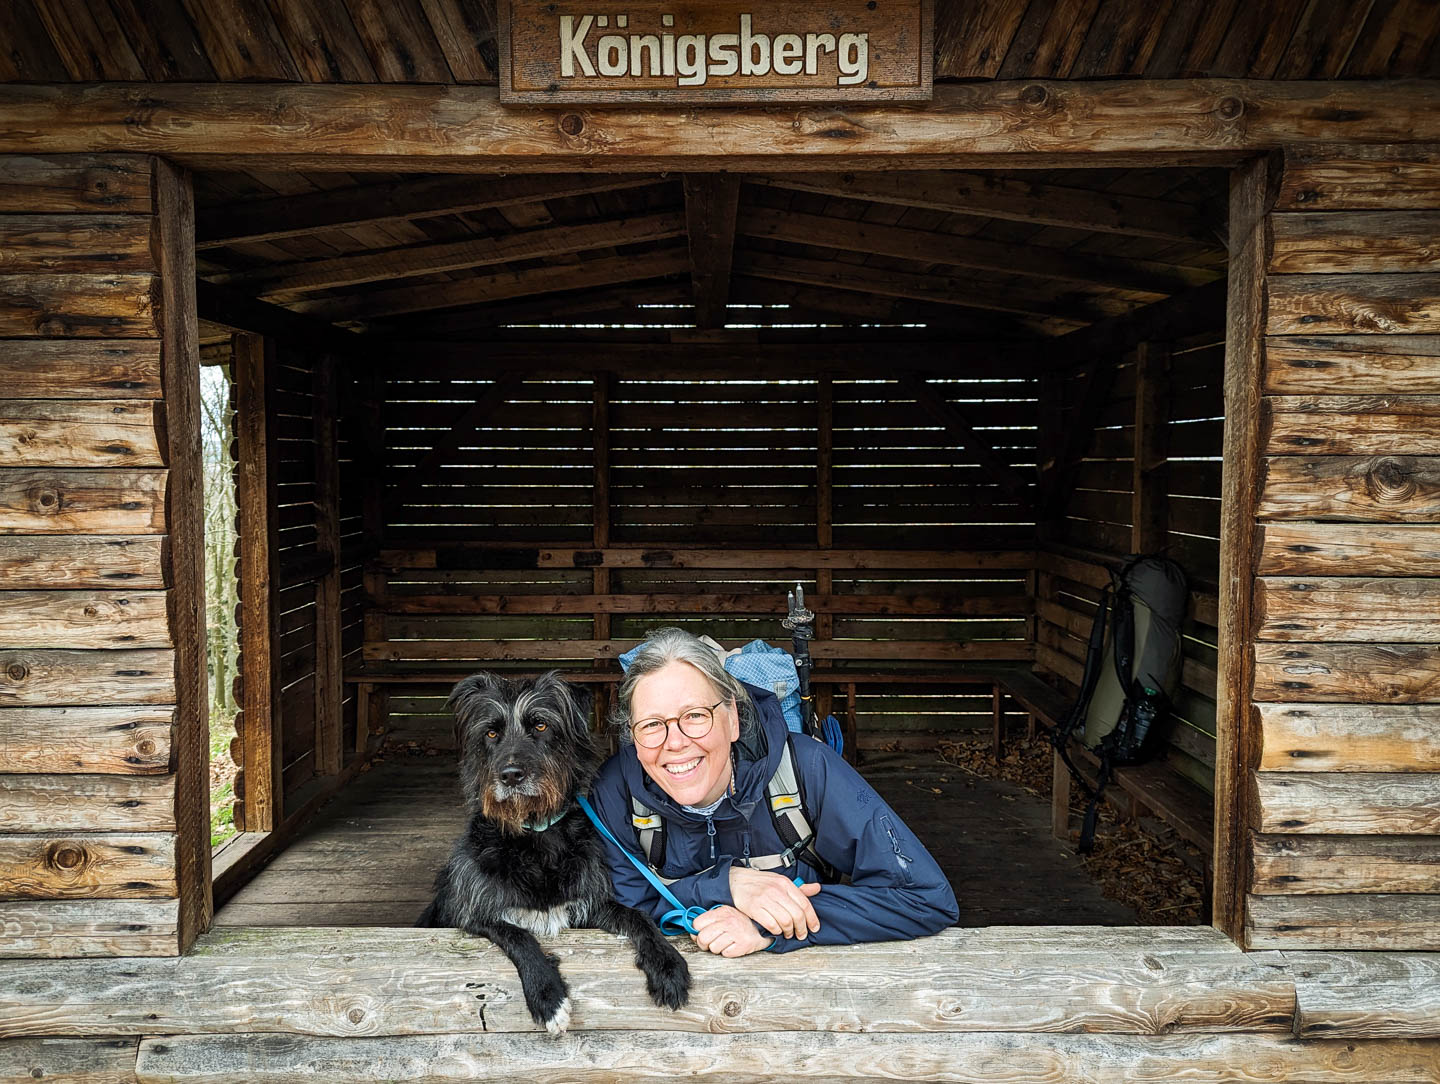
(801, 623)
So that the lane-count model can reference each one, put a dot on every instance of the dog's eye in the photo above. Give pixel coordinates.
(539, 727)
(492, 733)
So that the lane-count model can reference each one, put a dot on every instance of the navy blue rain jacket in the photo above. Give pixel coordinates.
(896, 889)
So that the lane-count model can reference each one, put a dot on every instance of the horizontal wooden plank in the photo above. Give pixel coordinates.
(75, 433)
(33, 677)
(75, 244)
(84, 928)
(516, 557)
(69, 1061)
(80, 369)
(1352, 365)
(1351, 425)
(98, 619)
(1348, 609)
(1349, 179)
(123, 865)
(118, 306)
(1310, 865)
(1359, 242)
(1347, 803)
(415, 982)
(1348, 673)
(1361, 921)
(120, 741)
(1345, 304)
(1346, 995)
(113, 803)
(45, 184)
(931, 603)
(1342, 549)
(539, 650)
(28, 562)
(81, 501)
(1349, 737)
(1378, 489)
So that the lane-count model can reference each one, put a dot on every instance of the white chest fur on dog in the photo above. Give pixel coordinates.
(541, 923)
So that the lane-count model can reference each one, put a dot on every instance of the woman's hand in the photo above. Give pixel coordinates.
(775, 902)
(726, 932)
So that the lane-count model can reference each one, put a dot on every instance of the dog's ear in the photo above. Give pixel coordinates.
(479, 697)
(575, 698)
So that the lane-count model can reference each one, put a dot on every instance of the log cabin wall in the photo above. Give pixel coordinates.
(1344, 757)
(104, 848)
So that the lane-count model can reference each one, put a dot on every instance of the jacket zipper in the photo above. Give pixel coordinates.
(710, 831)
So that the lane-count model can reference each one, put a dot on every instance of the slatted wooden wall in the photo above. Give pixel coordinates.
(1345, 753)
(103, 843)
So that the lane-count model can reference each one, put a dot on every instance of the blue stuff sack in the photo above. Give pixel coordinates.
(757, 663)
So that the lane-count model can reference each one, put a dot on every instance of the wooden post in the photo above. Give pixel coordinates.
(185, 522)
(1149, 492)
(1059, 798)
(600, 505)
(712, 202)
(329, 679)
(254, 513)
(997, 716)
(1251, 196)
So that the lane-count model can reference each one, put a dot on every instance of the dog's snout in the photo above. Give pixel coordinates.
(512, 775)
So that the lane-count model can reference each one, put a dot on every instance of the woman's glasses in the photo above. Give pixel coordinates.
(693, 723)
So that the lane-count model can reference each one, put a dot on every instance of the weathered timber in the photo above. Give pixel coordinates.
(329, 714)
(1348, 609)
(102, 619)
(524, 650)
(513, 557)
(1012, 199)
(1349, 737)
(72, 433)
(76, 866)
(116, 305)
(1352, 365)
(82, 501)
(751, 1059)
(81, 369)
(1350, 673)
(1347, 803)
(131, 741)
(238, 310)
(81, 928)
(115, 803)
(69, 1061)
(1340, 549)
(394, 201)
(1374, 242)
(1149, 489)
(111, 183)
(1344, 304)
(413, 127)
(930, 603)
(75, 244)
(1310, 865)
(1358, 921)
(416, 982)
(32, 677)
(1352, 424)
(1360, 178)
(711, 204)
(1375, 489)
(1365, 994)
(74, 562)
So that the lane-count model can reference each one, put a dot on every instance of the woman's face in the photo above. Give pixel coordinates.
(693, 771)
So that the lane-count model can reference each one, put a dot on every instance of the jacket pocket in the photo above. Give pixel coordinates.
(903, 861)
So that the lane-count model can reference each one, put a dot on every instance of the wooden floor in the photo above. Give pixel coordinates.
(371, 855)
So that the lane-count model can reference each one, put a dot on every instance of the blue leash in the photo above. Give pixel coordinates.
(680, 919)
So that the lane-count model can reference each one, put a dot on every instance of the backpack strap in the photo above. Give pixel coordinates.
(649, 832)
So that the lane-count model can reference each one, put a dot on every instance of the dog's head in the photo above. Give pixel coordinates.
(525, 747)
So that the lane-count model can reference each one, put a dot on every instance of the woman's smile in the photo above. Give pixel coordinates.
(692, 771)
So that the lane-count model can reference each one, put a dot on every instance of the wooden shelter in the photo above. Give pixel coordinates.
(514, 383)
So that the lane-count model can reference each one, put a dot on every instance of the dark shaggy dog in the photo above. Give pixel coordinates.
(530, 862)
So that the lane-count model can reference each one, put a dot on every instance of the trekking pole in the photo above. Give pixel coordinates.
(801, 623)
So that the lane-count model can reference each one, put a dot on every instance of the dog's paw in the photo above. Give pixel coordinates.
(559, 1021)
(667, 978)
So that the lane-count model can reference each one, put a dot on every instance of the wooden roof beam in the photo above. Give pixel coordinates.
(233, 309)
(439, 128)
(826, 305)
(711, 203)
(925, 246)
(288, 280)
(394, 201)
(606, 271)
(986, 196)
(584, 307)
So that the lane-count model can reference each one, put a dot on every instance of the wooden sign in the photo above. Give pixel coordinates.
(715, 51)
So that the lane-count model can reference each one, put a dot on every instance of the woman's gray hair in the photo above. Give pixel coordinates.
(660, 649)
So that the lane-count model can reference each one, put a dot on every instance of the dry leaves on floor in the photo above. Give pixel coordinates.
(1139, 864)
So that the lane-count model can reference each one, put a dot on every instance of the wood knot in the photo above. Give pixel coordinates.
(145, 748)
(1391, 480)
(572, 124)
(731, 1008)
(355, 1015)
(17, 671)
(45, 499)
(1230, 108)
(65, 856)
(1034, 95)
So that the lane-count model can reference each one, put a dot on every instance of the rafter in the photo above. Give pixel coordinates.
(585, 306)
(848, 308)
(925, 246)
(711, 203)
(394, 201)
(280, 281)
